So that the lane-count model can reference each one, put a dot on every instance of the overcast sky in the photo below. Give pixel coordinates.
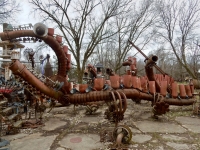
(24, 17)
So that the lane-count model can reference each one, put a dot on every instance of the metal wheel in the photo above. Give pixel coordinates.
(126, 131)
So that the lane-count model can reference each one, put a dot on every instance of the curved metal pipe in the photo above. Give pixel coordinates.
(20, 70)
(150, 62)
(127, 63)
(51, 41)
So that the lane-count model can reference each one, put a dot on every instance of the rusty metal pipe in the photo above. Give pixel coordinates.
(51, 41)
(130, 94)
(127, 63)
(180, 102)
(106, 96)
(150, 62)
(20, 69)
(15, 34)
(110, 72)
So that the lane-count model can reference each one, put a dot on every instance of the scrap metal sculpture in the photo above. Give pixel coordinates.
(161, 90)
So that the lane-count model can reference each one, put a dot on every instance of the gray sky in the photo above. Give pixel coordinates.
(24, 17)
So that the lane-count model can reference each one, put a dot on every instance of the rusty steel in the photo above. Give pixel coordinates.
(129, 92)
(179, 102)
(131, 62)
(122, 135)
(20, 70)
(149, 71)
(17, 67)
(105, 96)
(110, 72)
(92, 70)
(159, 105)
(50, 40)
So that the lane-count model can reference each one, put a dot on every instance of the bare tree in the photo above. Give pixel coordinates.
(8, 10)
(83, 23)
(135, 25)
(194, 57)
(168, 62)
(179, 20)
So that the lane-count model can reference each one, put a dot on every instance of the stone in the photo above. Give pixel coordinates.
(149, 126)
(178, 146)
(81, 141)
(174, 138)
(33, 142)
(53, 124)
(140, 138)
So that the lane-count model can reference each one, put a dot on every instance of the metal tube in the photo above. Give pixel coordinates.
(50, 40)
(20, 69)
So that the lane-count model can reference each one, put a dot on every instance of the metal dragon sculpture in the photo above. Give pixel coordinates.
(161, 90)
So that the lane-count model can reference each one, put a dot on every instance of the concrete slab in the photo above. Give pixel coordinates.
(61, 116)
(81, 141)
(188, 120)
(91, 118)
(192, 124)
(174, 138)
(60, 148)
(14, 137)
(146, 115)
(133, 130)
(141, 138)
(58, 109)
(33, 142)
(192, 128)
(178, 146)
(161, 127)
(53, 123)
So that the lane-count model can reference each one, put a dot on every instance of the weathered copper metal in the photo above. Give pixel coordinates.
(131, 62)
(114, 80)
(82, 88)
(144, 84)
(149, 71)
(122, 135)
(110, 72)
(20, 70)
(174, 90)
(188, 90)
(50, 40)
(163, 88)
(92, 70)
(127, 81)
(126, 87)
(182, 91)
(136, 83)
(152, 88)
